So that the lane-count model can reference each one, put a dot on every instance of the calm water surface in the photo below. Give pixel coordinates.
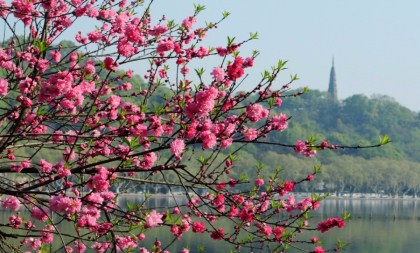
(377, 225)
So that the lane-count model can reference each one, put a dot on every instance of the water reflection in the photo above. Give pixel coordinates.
(378, 225)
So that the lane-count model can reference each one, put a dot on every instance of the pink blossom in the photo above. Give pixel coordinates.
(3, 87)
(278, 102)
(114, 101)
(3, 9)
(279, 122)
(326, 225)
(208, 139)
(101, 247)
(149, 160)
(15, 221)
(218, 74)
(90, 68)
(65, 204)
(203, 104)
(189, 22)
(318, 249)
(12, 203)
(42, 65)
(109, 63)
(94, 36)
(256, 112)
(266, 230)
(198, 227)
(39, 214)
(23, 10)
(158, 30)
(35, 243)
(154, 219)
(278, 232)
(165, 45)
(177, 147)
(259, 182)
(45, 167)
(289, 186)
(79, 247)
(100, 181)
(250, 134)
(219, 200)
(217, 234)
(303, 148)
(235, 70)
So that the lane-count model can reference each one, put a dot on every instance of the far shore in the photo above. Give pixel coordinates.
(360, 196)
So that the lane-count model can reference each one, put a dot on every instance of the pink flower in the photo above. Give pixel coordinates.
(114, 101)
(65, 204)
(3, 87)
(278, 102)
(39, 214)
(235, 70)
(109, 63)
(256, 112)
(318, 249)
(330, 223)
(165, 45)
(45, 167)
(266, 230)
(79, 247)
(278, 232)
(189, 22)
(302, 148)
(208, 139)
(218, 74)
(279, 122)
(250, 134)
(184, 250)
(177, 147)
(158, 30)
(219, 200)
(289, 186)
(259, 182)
(198, 227)
(12, 203)
(217, 234)
(153, 219)
(15, 221)
(149, 160)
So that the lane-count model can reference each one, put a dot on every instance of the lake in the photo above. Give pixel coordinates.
(377, 225)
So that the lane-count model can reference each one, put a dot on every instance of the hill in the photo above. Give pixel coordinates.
(393, 169)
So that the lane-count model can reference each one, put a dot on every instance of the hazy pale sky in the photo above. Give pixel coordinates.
(376, 43)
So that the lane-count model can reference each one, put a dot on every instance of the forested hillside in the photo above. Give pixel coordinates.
(393, 169)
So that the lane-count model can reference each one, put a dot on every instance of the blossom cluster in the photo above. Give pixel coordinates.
(76, 126)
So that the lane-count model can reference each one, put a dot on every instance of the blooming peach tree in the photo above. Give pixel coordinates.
(75, 125)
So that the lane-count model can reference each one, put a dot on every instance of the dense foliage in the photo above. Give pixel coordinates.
(393, 170)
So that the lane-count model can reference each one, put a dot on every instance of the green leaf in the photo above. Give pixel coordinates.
(384, 140)
(199, 72)
(130, 207)
(346, 216)
(230, 41)
(253, 36)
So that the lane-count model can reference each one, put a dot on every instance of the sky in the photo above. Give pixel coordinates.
(375, 43)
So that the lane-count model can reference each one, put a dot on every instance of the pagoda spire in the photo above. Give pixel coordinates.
(332, 87)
